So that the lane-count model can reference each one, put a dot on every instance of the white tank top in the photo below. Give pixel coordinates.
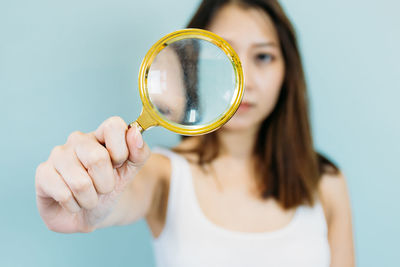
(190, 239)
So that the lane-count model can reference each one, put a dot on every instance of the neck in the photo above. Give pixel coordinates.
(238, 143)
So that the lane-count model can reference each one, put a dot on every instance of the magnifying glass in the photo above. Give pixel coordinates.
(190, 82)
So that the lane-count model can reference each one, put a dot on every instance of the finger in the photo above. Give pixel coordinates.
(77, 179)
(50, 184)
(139, 152)
(112, 133)
(96, 159)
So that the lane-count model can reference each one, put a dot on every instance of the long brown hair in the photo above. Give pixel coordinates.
(286, 166)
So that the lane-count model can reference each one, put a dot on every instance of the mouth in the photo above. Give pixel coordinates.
(245, 106)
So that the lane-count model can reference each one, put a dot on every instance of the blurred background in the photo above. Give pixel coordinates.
(69, 65)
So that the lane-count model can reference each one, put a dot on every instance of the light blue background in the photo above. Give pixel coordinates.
(68, 65)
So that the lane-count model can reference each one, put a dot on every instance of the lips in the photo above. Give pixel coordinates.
(244, 106)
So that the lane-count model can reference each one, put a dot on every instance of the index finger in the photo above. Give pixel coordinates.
(112, 133)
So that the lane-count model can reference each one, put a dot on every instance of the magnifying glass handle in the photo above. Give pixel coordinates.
(136, 124)
(144, 122)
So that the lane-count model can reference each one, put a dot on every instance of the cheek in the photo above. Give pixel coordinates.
(265, 91)
(270, 84)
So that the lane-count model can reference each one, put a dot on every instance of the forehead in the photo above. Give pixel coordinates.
(244, 25)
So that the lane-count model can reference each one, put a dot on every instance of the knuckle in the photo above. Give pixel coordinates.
(64, 197)
(75, 136)
(98, 157)
(41, 169)
(57, 151)
(41, 173)
(80, 185)
(106, 186)
(91, 203)
(117, 120)
(115, 123)
(120, 157)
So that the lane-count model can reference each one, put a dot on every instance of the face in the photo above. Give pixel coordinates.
(252, 34)
(165, 85)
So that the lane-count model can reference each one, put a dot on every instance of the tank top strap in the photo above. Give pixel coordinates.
(313, 217)
(179, 165)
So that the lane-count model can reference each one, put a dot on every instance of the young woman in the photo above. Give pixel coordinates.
(253, 193)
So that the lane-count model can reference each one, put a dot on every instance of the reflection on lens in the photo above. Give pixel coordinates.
(188, 54)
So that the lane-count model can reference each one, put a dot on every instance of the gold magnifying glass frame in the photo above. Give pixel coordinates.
(150, 117)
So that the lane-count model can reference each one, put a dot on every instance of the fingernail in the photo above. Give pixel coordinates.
(138, 138)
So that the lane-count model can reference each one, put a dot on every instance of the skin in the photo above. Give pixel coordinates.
(71, 199)
(166, 88)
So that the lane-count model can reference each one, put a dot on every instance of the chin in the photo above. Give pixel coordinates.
(240, 124)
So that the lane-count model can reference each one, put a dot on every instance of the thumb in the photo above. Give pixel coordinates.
(139, 151)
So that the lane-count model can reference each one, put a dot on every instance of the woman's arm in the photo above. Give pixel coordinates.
(336, 201)
(136, 202)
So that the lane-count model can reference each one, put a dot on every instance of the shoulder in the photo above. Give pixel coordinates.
(334, 196)
(336, 202)
(158, 167)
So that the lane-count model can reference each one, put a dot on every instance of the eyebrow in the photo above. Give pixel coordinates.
(263, 44)
(258, 44)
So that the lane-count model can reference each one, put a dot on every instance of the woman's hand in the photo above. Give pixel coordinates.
(79, 185)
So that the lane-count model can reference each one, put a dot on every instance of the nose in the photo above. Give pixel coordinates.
(248, 74)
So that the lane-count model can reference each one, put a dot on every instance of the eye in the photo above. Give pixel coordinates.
(264, 57)
(164, 110)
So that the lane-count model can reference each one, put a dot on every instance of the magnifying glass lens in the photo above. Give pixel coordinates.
(191, 82)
